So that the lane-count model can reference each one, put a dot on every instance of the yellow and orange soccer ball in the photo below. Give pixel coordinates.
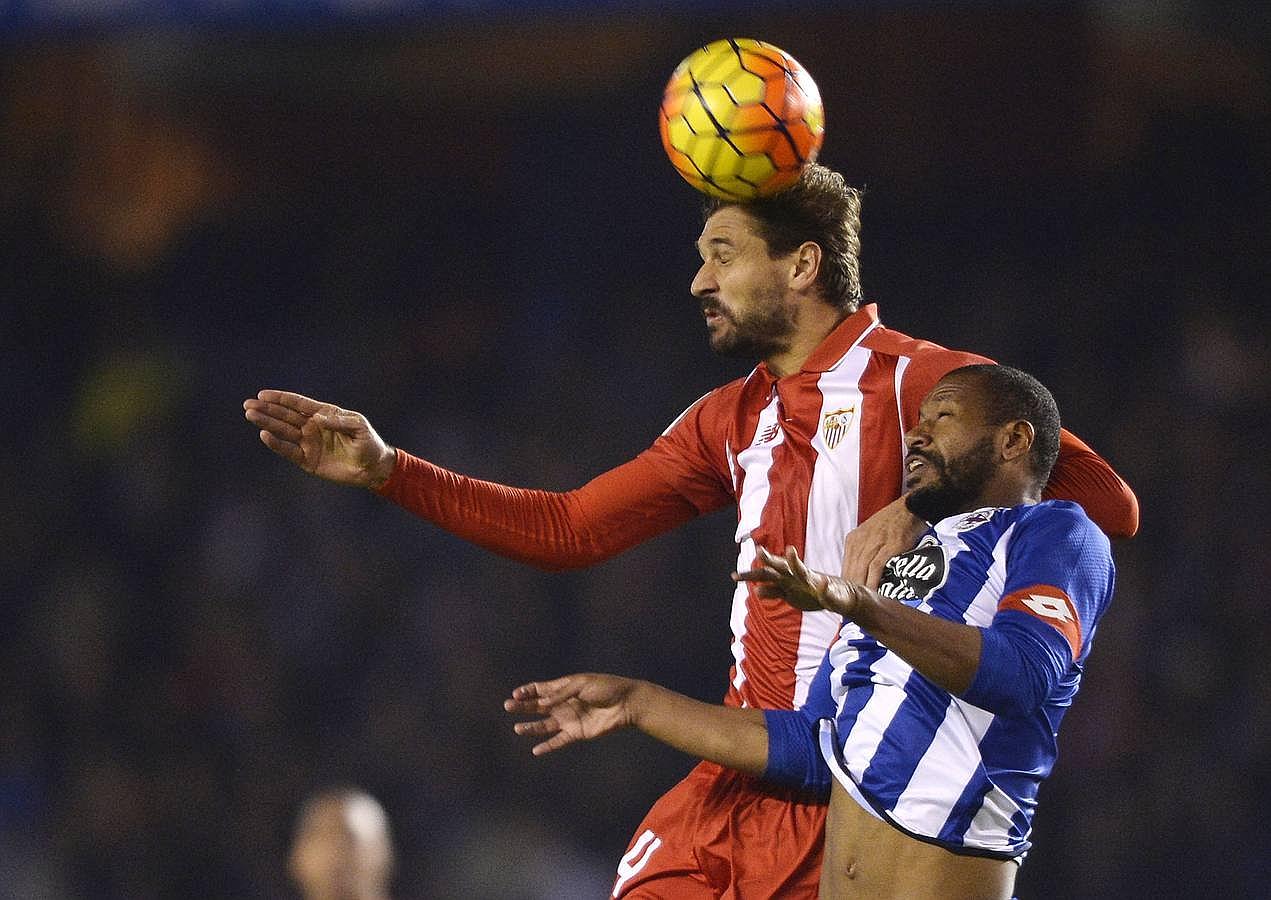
(741, 119)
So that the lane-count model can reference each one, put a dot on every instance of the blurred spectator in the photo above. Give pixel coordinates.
(342, 848)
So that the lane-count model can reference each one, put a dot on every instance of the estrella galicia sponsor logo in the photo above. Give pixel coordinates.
(914, 574)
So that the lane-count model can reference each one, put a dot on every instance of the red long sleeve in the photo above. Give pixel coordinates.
(551, 530)
(1085, 477)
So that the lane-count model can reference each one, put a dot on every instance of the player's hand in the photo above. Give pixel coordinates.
(891, 530)
(574, 708)
(788, 578)
(785, 578)
(333, 443)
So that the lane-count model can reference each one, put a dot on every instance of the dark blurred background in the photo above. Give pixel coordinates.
(457, 218)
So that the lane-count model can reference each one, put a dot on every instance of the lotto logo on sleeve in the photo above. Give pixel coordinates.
(1050, 605)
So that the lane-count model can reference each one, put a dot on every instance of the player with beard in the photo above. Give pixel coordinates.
(809, 446)
(933, 718)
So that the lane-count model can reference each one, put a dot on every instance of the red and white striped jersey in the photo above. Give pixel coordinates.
(806, 457)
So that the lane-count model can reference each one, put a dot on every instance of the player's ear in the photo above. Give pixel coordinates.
(806, 266)
(1016, 439)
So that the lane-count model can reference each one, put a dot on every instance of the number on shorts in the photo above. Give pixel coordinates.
(636, 858)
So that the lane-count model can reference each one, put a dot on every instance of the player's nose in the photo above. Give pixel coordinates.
(704, 283)
(917, 437)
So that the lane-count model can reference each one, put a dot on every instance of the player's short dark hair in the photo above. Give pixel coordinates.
(1010, 395)
(820, 207)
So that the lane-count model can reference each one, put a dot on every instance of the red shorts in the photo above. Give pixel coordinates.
(721, 834)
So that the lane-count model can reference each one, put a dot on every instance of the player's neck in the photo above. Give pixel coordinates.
(815, 322)
(1005, 491)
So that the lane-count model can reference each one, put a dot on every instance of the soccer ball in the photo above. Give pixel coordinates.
(740, 119)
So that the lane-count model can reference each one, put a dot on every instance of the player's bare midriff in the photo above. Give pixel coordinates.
(868, 859)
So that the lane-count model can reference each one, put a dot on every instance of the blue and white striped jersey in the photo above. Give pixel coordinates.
(962, 772)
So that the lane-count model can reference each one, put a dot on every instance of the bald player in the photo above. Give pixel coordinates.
(342, 848)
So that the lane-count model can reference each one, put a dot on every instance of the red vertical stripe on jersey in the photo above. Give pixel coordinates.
(773, 627)
(880, 478)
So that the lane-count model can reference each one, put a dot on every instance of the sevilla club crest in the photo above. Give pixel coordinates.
(835, 425)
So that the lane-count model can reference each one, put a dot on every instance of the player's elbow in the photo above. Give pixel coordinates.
(1126, 524)
(1012, 702)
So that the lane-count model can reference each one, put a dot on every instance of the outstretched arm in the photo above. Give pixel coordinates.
(549, 529)
(586, 706)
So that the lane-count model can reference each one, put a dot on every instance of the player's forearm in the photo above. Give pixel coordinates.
(732, 737)
(946, 653)
(548, 529)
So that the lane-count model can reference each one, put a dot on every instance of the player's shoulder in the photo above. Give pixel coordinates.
(1055, 521)
(716, 403)
(725, 396)
(896, 343)
(925, 361)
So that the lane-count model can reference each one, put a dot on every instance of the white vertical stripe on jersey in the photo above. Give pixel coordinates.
(993, 820)
(829, 750)
(997, 809)
(731, 459)
(873, 720)
(843, 655)
(833, 506)
(754, 461)
(952, 758)
(737, 617)
(983, 608)
(902, 364)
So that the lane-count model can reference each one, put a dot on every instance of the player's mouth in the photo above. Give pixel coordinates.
(916, 466)
(713, 315)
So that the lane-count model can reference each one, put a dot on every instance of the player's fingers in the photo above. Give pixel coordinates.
(767, 558)
(875, 572)
(525, 691)
(760, 575)
(285, 449)
(797, 566)
(343, 422)
(284, 430)
(276, 411)
(561, 739)
(859, 560)
(548, 694)
(298, 402)
(537, 728)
